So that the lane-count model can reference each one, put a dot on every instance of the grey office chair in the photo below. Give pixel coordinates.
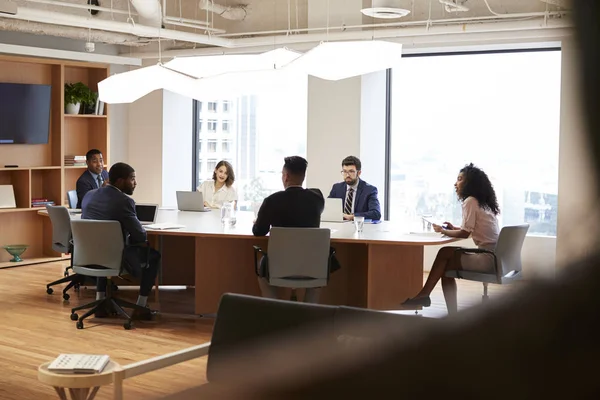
(72, 197)
(298, 258)
(507, 259)
(62, 243)
(98, 252)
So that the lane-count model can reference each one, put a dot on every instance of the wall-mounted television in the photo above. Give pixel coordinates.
(24, 113)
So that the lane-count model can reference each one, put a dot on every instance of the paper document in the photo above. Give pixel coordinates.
(163, 226)
(78, 364)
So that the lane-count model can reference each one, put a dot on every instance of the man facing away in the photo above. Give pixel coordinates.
(112, 202)
(93, 177)
(358, 197)
(294, 207)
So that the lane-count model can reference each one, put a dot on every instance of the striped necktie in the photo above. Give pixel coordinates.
(99, 181)
(349, 199)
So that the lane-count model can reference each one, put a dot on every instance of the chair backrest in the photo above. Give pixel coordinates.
(61, 228)
(299, 257)
(72, 197)
(97, 243)
(508, 248)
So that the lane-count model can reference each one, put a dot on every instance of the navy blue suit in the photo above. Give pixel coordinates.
(85, 183)
(109, 203)
(366, 203)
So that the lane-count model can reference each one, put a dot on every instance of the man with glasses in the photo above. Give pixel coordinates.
(358, 197)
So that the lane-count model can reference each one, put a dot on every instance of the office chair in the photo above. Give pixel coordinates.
(72, 197)
(100, 259)
(507, 259)
(298, 258)
(62, 243)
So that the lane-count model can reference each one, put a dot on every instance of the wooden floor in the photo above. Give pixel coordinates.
(36, 328)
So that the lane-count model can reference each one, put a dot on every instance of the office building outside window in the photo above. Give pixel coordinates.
(500, 111)
(257, 131)
(212, 106)
(212, 146)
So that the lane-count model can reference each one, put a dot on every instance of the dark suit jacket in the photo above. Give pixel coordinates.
(109, 203)
(366, 203)
(294, 207)
(85, 183)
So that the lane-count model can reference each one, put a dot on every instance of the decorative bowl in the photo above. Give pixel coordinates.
(16, 250)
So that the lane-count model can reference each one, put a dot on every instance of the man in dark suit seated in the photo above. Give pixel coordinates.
(93, 177)
(112, 202)
(294, 207)
(358, 197)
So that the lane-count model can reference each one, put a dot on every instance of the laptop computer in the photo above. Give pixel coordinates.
(146, 213)
(333, 211)
(190, 201)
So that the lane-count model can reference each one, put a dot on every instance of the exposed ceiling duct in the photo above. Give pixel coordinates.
(149, 11)
(235, 13)
(37, 28)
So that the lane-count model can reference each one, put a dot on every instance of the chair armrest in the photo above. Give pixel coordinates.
(155, 363)
(474, 250)
(256, 251)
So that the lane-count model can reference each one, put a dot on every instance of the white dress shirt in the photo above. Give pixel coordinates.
(354, 194)
(216, 199)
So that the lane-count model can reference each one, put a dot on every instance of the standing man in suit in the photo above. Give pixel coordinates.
(294, 207)
(358, 197)
(112, 202)
(93, 177)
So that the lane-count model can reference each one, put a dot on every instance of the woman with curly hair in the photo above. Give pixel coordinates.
(479, 211)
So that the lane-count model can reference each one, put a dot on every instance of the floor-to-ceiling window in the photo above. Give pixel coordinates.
(497, 110)
(254, 132)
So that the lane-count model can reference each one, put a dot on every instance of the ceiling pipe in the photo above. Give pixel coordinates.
(150, 12)
(413, 37)
(82, 6)
(54, 18)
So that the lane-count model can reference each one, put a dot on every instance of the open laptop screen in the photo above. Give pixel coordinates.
(146, 212)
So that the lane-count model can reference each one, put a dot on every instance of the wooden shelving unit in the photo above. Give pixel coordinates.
(41, 172)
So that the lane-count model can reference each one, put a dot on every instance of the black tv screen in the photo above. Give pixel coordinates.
(24, 113)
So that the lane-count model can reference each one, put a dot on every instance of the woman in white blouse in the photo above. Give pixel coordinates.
(220, 189)
(479, 211)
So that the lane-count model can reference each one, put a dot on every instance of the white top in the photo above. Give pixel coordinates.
(482, 224)
(216, 199)
(354, 187)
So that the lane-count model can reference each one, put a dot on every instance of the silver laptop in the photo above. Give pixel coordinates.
(333, 211)
(7, 197)
(146, 213)
(190, 201)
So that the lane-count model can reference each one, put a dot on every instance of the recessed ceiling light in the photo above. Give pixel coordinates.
(385, 12)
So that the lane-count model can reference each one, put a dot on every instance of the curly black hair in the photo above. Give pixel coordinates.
(478, 185)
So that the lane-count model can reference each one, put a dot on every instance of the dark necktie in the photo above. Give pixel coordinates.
(99, 181)
(348, 205)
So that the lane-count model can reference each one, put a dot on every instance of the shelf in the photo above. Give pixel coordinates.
(31, 261)
(28, 168)
(44, 168)
(75, 166)
(84, 116)
(16, 210)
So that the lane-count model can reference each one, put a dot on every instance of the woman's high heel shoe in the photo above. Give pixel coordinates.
(417, 301)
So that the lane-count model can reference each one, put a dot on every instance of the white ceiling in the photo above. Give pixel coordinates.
(263, 15)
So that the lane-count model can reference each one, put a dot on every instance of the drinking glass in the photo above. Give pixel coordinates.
(227, 216)
(358, 223)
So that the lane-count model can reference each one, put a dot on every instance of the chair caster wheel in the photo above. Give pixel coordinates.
(66, 274)
(76, 287)
(49, 290)
(79, 324)
(74, 317)
(66, 296)
(128, 325)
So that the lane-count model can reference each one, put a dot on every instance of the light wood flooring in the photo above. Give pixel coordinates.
(35, 328)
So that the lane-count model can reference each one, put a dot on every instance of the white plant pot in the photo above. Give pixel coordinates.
(73, 108)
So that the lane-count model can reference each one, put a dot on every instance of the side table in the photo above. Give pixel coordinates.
(79, 385)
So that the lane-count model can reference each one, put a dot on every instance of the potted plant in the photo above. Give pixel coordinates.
(77, 94)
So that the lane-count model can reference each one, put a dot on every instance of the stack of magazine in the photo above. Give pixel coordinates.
(79, 364)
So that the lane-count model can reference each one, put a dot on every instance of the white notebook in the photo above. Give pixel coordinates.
(78, 364)
(163, 226)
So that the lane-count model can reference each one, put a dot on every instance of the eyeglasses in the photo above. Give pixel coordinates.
(349, 173)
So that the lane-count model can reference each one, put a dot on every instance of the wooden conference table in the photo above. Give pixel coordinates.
(381, 267)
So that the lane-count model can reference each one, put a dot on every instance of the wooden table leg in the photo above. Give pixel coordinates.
(61, 392)
(93, 393)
